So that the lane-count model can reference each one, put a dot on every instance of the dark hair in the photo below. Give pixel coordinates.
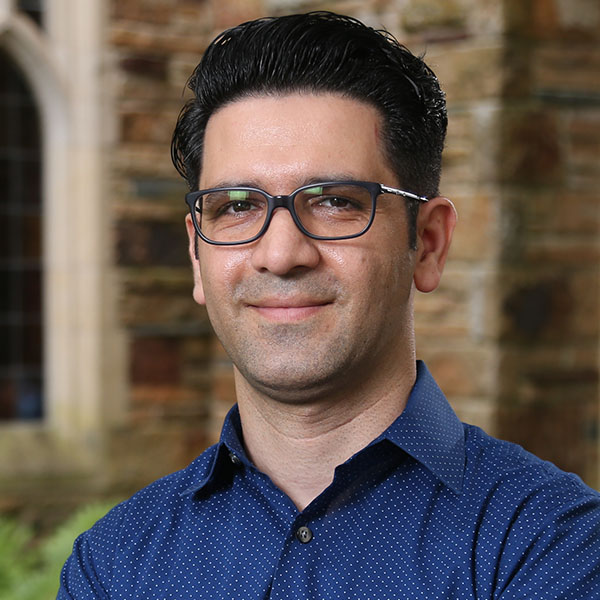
(322, 52)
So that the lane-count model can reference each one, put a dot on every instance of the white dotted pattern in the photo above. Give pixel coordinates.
(429, 510)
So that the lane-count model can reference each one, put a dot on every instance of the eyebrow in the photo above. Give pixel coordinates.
(242, 183)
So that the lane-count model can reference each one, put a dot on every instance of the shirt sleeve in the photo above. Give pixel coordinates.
(561, 561)
(87, 574)
(79, 579)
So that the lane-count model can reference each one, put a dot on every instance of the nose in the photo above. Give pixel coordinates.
(283, 247)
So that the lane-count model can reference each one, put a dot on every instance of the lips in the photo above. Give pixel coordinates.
(288, 309)
(293, 302)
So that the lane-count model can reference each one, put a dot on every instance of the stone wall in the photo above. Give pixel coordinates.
(512, 334)
(550, 223)
(151, 49)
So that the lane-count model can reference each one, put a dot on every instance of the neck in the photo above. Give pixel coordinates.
(299, 445)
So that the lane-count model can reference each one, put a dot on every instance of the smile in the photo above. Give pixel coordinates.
(290, 310)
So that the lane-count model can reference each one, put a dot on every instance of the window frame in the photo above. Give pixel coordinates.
(84, 351)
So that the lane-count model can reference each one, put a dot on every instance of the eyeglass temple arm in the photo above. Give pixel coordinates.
(390, 190)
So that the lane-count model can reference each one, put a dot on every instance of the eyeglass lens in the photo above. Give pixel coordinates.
(330, 210)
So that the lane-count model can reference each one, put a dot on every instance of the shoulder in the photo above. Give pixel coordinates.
(90, 570)
(498, 464)
(506, 477)
(170, 487)
(534, 525)
(157, 503)
(518, 497)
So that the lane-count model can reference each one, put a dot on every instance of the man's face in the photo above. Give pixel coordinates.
(303, 318)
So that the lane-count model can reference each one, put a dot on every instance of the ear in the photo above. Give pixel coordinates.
(193, 251)
(435, 225)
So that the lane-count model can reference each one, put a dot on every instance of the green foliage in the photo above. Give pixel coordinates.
(30, 570)
(14, 563)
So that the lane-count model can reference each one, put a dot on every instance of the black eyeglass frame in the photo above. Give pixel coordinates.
(287, 201)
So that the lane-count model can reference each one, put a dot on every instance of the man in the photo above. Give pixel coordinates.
(312, 148)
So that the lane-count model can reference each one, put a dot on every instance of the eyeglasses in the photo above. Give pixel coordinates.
(333, 210)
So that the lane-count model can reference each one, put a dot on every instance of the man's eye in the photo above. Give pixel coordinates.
(236, 207)
(240, 206)
(335, 202)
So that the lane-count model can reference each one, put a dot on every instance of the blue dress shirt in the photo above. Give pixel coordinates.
(430, 509)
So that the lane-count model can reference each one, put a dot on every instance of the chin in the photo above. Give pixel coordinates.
(291, 386)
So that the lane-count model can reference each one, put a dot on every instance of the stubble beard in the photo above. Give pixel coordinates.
(294, 366)
(294, 362)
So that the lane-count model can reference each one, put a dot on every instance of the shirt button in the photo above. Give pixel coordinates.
(304, 534)
(236, 460)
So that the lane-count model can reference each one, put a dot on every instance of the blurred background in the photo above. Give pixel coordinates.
(110, 375)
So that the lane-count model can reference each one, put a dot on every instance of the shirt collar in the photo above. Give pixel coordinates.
(227, 453)
(428, 430)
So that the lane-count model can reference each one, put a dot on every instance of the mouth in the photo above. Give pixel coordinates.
(289, 310)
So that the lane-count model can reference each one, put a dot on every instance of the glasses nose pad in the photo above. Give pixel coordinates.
(282, 202)
(286, 202)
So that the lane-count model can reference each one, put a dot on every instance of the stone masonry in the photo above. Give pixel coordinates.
(512, 335)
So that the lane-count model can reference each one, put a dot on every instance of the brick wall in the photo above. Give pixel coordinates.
(548, 268)
(512, 334)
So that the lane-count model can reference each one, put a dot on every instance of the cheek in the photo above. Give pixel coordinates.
(231, 264)
(388, 278)
(221, 269)
(364, 273)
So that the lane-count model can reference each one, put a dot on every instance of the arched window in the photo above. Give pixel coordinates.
(21, 327)
(55, 301)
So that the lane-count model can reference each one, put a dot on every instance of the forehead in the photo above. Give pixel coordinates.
(289, 139)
